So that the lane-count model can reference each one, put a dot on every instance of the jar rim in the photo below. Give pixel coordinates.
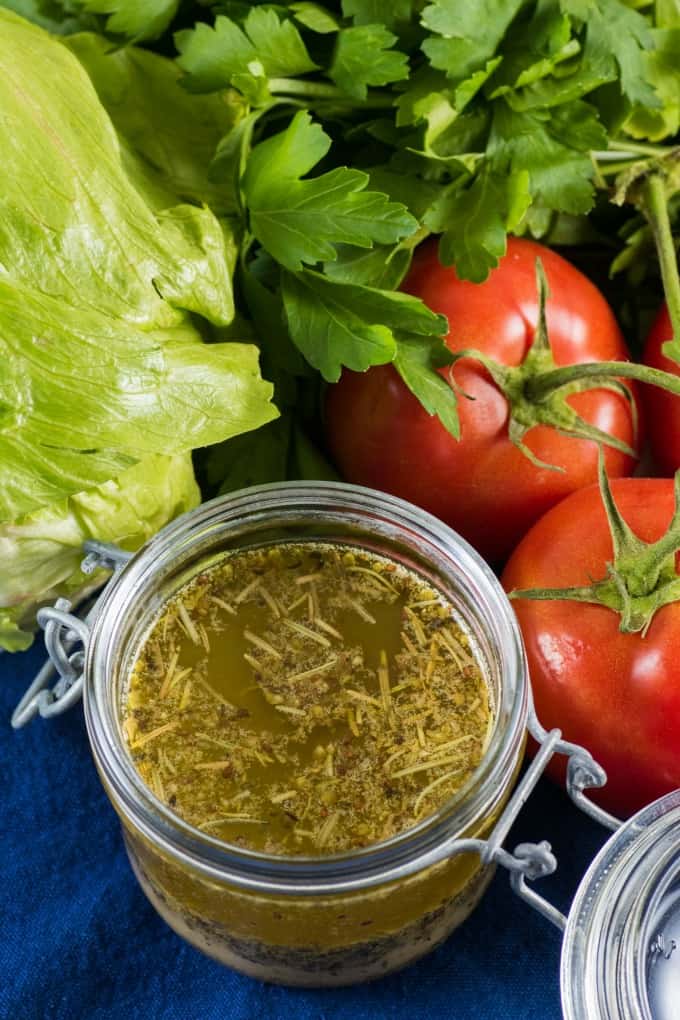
(611, 929)
(432, 839)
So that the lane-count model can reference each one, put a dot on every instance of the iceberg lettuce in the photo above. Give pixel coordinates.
(41, 552)
(110, 281)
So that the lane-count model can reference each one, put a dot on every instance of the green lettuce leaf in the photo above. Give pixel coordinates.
(103, 362)
(172, 133)
(80, 231)
(79, 382)
(41, 552)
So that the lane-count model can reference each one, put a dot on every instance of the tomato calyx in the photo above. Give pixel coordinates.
(642, 576)
(537, 390)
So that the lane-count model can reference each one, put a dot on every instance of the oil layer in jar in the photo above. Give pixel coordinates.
(306, 698)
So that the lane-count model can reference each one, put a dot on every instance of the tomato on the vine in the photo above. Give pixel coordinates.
(483, 485)
(606, 674)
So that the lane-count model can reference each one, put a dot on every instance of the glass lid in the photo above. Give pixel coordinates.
(621, 951)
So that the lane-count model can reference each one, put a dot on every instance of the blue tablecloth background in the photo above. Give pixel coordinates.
(79, 940)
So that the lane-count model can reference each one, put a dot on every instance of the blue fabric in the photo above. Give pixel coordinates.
(79, 940)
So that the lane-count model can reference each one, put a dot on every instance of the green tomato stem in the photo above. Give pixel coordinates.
(540, 386)
(538, 391)
(656, 207)
(640, 579)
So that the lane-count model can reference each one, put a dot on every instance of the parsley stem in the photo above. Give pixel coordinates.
(614, 168)
(321, 90)
(656, 208)
(638, 148)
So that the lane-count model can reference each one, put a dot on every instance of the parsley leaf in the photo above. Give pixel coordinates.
(373, 12)
(299, 221)
(253, 458)
(553, 147)
(380, 267)
(63, 17)
(137, 19)
(475, 220)
(469, 33)
(325, 327)
(617, 35)
(314, 17)
(416, 362)
(339, 324)
(215, 58)
(534, 48)
(278, 43)
(662, 73)
(431, 97)
(363, 57)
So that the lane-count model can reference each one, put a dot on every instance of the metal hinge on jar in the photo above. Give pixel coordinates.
(64, 632)
(536, 860)
(530, 861)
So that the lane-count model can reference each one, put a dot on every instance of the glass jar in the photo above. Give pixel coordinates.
(308, 920)
(621, 951)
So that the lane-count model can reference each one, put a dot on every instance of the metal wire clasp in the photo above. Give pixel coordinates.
(63, 631)
(536, 860)
(583, 772)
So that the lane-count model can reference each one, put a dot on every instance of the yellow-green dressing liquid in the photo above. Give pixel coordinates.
(306, 698)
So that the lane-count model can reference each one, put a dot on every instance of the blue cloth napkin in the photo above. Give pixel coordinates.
(79, 940)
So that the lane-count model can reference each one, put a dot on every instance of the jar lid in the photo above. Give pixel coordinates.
(621, 950)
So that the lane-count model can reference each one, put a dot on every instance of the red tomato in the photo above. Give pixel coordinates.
(662, 408)
(616, 694)
(482, 485)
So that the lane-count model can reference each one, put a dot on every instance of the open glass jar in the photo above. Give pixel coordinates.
(328, 920)
(303, 920)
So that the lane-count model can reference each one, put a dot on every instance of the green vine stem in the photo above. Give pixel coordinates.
(541, 386)
(648, 183)
(656, 208)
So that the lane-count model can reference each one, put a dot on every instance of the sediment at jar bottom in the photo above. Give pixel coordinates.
(312, 941)
(313, 964)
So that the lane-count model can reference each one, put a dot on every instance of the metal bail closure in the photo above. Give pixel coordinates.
(583, 773)
(63, 631)
(536, 860)
(529, 860)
